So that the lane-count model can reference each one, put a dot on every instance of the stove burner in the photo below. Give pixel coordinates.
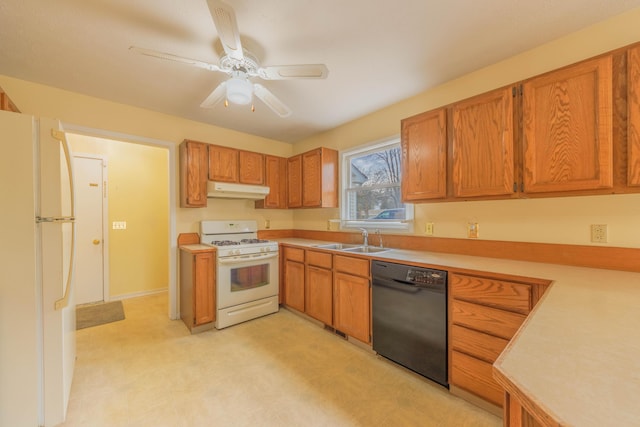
(253, 241)
(224, 243)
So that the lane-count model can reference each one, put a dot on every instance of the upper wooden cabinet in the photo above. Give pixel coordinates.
(633, 132)
(313, 179)
(250, 167)
(275, 172)
(483, 145)
(193, 174)
(238, 166)
(294, 181)
(424, 156)
(223, 164)
(567, 128)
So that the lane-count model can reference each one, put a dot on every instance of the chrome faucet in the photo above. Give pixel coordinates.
(379, 238)
(365, 236)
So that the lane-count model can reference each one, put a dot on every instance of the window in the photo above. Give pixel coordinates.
(371, 195)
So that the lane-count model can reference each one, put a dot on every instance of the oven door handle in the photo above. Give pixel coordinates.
(245, 258)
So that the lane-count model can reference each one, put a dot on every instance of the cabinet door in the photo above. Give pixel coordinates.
(251, 168)
(633, 148)
(352, 306)
(294, 285)
(312, 178)
(204, 298)
(483, 145)
(567, 128)
(276, 179)
(319, 294)
(193, 174)
(424, 156)
(294, 183)
(223, 164)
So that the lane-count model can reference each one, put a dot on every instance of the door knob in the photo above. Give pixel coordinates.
(96, 241)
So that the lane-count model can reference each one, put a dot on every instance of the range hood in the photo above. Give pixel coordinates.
(227, 190)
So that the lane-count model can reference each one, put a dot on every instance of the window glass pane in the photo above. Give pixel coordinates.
(373, 191)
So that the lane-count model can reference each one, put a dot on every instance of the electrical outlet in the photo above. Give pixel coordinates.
(472, 230)
(428, 229)
(267, 224)
(599, 233)
(119, 225)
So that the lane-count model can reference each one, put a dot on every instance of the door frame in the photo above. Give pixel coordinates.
(172, 244)
(105, 220)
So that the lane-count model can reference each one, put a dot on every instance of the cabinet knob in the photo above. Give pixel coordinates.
(96, 241)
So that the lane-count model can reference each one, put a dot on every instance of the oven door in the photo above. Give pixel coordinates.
(246, 278)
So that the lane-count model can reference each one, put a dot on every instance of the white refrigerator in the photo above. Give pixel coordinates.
(37, 308)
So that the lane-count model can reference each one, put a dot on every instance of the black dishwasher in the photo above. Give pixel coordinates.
(410, 317)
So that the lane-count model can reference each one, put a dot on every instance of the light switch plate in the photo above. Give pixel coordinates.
(472, 230)
(119, 225)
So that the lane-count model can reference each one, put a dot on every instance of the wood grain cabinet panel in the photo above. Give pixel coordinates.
(250, 168)
(484, 314)
(193, 174)
(352, 306)
(567, 128)
(198, 289)
(503, 294)
(294, 285)
(223, 164)
(319, 294)
(500, 323)
(483, 145)
(633, 132)
(294, 182)
(424, 156)
(476, 376)
(6, 104)
(320, 178)
(275, 175)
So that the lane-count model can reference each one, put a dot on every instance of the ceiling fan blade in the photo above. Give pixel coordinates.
(302, 71)
(170, 57)
(271, 101)
(224, 18)
(216, 96)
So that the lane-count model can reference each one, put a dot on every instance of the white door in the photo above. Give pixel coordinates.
(90, 174)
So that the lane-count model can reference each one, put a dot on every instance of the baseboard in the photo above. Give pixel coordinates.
(138, 294)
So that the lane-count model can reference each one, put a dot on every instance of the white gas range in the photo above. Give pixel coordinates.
(247, 271)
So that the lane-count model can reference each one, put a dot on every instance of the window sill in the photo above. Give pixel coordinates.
(406, 226)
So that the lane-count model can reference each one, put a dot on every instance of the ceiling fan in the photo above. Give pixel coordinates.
(241, 65)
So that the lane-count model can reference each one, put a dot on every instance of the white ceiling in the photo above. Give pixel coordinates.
(377, 52)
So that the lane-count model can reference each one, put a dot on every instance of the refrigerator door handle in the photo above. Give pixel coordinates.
(60, 136)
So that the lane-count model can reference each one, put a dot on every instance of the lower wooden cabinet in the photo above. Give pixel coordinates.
(334, 289)
(294, 279)
(352, 297)
(197, 289)
(319, 286)
(484, 314)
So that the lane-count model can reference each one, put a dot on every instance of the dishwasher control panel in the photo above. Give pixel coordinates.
(426, 277)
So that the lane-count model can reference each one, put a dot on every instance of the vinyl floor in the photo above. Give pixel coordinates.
(279, 370)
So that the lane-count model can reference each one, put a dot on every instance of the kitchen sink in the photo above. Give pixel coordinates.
(337, 246)
(366, 249)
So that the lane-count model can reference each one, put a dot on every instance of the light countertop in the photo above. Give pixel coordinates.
(578, 354)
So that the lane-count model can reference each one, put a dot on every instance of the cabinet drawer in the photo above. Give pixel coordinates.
(294, 254)
(319, 259)
(352, 265)
(503, 294)
(486, 319)
(475, 376)
(477, 344)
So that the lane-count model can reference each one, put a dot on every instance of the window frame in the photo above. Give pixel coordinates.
(405, 225)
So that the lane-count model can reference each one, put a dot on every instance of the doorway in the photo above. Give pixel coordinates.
(141, 252)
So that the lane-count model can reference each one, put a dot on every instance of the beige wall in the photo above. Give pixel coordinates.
(138, 193)
(557, 220)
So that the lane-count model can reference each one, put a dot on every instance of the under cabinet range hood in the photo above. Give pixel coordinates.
(227, 190)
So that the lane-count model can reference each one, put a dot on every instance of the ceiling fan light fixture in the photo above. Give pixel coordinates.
(239, 89)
